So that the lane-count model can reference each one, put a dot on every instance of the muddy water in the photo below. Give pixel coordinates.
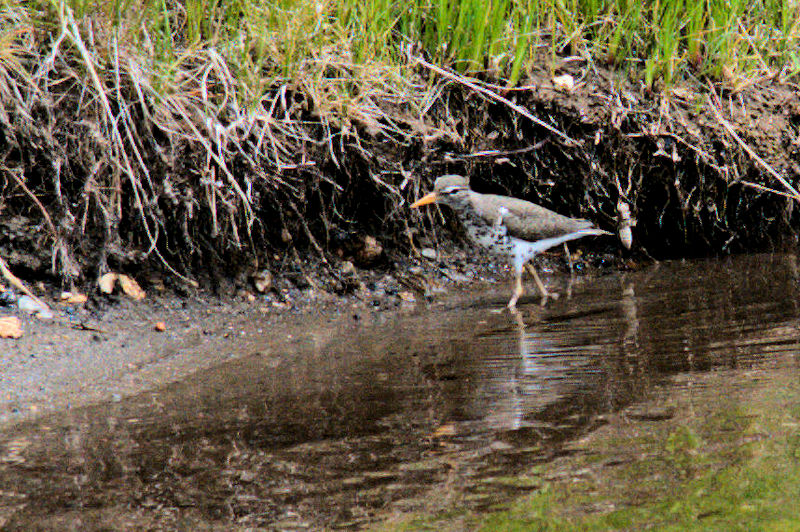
(366, 416)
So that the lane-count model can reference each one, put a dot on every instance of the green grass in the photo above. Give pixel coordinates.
(758, 496)
(658, 42)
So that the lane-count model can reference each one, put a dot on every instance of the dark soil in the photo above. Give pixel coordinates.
(687, 181)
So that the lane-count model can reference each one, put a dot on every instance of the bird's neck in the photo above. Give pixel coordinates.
(470, 214)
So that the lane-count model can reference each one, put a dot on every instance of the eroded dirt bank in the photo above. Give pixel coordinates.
(303, 198)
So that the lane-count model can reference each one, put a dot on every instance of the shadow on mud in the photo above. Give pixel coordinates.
(366, 417)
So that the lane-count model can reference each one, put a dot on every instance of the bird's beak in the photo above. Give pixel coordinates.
(430, 198)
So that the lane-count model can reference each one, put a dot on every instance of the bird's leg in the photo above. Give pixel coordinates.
(542, 290)
(532, 270)
(518, 290)
(569, 259)
(571, 271)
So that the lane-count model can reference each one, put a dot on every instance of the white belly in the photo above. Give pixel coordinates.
(495, 238)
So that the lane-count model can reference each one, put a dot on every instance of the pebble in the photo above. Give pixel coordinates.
(458, 277)
(347, 268)
(45, 314)
(31, 306)
(407, 296)
(28, 304)
(428, 253)
(263, 281)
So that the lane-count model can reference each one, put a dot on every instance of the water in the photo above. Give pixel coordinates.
(366, 417)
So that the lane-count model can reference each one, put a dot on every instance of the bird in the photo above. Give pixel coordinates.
(508, 227)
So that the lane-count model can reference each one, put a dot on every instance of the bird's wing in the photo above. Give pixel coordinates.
(529, 221)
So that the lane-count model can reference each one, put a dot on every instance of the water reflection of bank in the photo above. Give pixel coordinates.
(403, 413)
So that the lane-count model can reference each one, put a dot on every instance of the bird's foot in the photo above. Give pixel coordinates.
(512, 305)
(548, 296)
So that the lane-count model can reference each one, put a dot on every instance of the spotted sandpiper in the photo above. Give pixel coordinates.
(506, 226)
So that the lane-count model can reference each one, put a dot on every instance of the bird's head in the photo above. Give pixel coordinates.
(452, 190)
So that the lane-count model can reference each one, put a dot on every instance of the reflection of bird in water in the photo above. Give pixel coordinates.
(540, 373)
(630, 314)
(558, 361)
(507, 226)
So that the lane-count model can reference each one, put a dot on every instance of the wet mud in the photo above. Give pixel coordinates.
(355, 418)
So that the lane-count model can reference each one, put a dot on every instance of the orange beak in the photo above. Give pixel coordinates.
(430, 198)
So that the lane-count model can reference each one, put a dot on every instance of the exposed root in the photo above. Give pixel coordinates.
(494, 96)
(792, 191)
(17, 283)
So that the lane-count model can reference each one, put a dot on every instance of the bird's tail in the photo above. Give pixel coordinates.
(593, 231)
(547, 243)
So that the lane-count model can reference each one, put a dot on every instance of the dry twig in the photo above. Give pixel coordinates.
(494, 96)
(793, 192)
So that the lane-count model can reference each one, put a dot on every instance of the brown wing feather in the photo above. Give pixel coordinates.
(527, 220)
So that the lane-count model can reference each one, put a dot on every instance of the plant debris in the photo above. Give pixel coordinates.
(10, 327)
(129, 286)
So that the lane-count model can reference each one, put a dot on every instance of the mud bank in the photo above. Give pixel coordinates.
(324, 195)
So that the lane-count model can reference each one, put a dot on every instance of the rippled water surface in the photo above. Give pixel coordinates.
(367, 417)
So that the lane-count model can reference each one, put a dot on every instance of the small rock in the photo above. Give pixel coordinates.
(262, 281)
(458, 277)
(407, 296)
(369, 251)
(445, 430)
(247, 476)
(28, 304)
(498, 445)
(347, 268)
(31, 306)
(73, 298)
(106, 282)
(160, 326)
(564, 82)
(130, 287)
(428, 253)
(44, 314)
